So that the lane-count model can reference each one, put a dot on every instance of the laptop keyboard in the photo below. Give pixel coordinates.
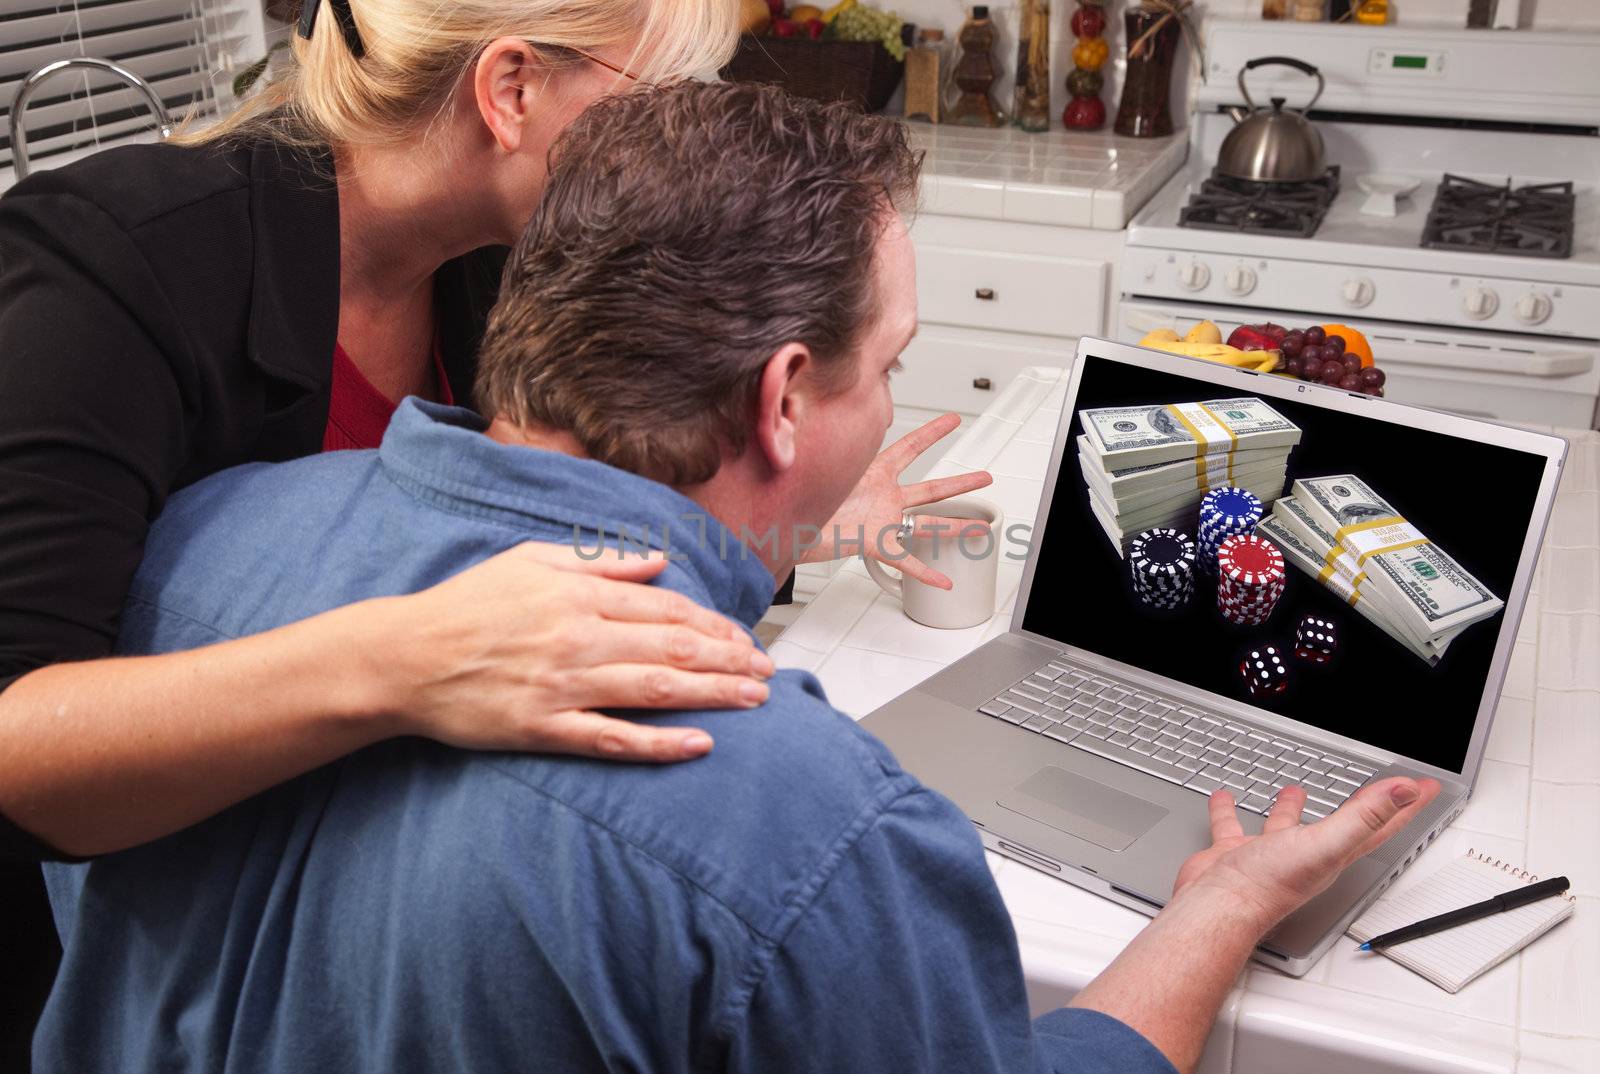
(1179, 744)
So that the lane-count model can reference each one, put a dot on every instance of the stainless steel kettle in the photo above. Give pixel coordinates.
(1273, 145)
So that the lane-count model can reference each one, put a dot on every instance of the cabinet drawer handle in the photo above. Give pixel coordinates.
(983, 384)
(985, 294)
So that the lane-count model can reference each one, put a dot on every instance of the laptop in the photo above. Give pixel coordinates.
(1084, 741)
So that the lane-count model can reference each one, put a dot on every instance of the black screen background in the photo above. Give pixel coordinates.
(1476, 500)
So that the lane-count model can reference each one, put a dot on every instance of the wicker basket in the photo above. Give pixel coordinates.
(861, 72)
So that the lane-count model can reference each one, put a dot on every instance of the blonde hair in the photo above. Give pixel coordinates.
(417, 51)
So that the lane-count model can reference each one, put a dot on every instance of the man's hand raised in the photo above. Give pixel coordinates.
(1275, 873)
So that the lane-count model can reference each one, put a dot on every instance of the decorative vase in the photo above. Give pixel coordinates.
(1146, 107)
(974, 72)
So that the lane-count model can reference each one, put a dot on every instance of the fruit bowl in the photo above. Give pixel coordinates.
(861, 72)
(1332, 354)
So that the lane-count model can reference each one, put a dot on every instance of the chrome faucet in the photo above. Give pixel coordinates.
(19, 137)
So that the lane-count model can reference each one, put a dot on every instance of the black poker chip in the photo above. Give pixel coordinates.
(1161, 565)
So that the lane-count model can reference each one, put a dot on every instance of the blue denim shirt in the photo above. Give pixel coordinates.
(793, 901)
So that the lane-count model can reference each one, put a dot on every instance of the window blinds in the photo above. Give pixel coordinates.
(180, 47)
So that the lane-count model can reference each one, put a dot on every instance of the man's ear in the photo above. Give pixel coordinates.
(782, 400)
(503, 88)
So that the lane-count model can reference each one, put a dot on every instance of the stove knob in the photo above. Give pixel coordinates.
(1193, 276)
(1533, 308)
(1240, 280)
(1480, 303)
(1358, 291)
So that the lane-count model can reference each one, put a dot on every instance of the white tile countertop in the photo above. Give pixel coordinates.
(1537, 803)
(1091, 179)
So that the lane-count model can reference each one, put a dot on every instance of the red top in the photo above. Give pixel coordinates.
(358, 413)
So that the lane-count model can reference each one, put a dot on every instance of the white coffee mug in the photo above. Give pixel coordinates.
(969, 557)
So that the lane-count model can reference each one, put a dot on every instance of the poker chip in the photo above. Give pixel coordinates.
(1161, 567)
(1224, 512)
(1250, 579)
(1250, 561)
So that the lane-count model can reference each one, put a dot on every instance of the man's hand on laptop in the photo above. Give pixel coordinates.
(516, 653)
(1272, 874)
(1170, 980)
(874, 510)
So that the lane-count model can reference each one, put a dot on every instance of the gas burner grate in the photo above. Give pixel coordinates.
(1294, 209)
(1529, 221)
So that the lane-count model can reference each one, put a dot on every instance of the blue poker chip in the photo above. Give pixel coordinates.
(1229, 502)
(1224, 512)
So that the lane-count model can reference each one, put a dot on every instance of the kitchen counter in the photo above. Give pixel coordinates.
(1090, 179)
(1537, 803)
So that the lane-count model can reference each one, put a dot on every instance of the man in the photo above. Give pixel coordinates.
(694, 342)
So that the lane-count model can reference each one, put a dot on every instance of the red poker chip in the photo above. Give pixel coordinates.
(1239, 619)
(1248, 604)
(1232, 586)
(1233, 609)
(1268, 597)
(1265, 601)
(1251, 560)
(1224, 585)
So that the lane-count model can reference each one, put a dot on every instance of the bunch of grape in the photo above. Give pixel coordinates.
(1312, 354)
(861, 23)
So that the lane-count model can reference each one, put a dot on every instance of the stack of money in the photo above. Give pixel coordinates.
(1150, 466)
(1351, 540)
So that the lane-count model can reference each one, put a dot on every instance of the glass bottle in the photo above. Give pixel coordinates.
(1030, 107)
(925, 77)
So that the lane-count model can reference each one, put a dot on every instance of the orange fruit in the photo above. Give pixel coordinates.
(1354, 342)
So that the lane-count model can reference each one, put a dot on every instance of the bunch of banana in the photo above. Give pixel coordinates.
(1204, 340)
(833, 12)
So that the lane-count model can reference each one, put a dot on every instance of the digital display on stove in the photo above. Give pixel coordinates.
(1372, 559)
(1413, 62)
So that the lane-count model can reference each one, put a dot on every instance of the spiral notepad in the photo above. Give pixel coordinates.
(1455, 956)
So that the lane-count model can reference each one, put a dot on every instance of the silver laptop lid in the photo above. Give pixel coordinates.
(1417, 682)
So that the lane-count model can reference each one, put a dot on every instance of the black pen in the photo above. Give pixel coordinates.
(1509, 901)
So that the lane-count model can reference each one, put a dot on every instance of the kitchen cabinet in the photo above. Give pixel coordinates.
(1018, 243)
(995, 297)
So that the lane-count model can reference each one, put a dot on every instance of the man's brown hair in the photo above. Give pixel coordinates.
(686, 233)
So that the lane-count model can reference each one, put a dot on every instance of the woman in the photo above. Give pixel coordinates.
(270, 289)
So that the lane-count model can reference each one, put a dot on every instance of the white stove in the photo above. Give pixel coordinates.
(1499, 335)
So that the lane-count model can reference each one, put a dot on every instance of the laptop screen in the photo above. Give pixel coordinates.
(1193, 527)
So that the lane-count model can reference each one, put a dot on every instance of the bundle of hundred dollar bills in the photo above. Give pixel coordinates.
(1347, 537)
(1148, 466)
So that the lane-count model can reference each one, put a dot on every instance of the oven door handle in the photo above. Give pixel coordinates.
(1517, 362)
(1529, 363)
(1139, 320)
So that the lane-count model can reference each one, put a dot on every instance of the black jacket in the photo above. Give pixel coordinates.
(165, 312)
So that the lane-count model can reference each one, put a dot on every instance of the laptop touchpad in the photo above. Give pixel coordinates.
(1079, 806)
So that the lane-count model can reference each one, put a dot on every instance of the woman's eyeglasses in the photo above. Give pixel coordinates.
(607, 64)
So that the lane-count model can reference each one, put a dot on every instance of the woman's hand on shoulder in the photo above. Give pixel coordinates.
(517, 653)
